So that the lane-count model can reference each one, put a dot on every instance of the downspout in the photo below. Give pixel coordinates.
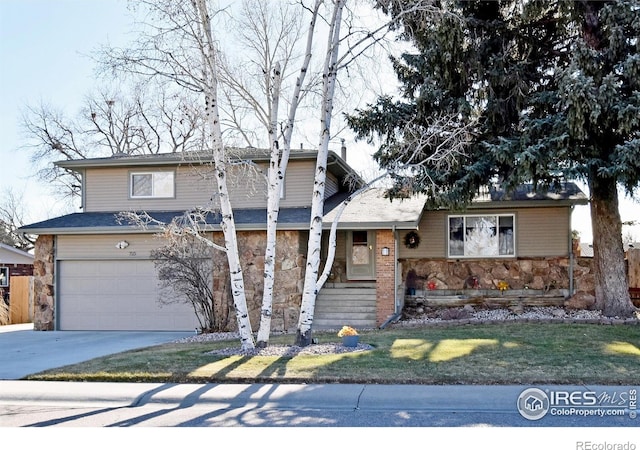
(571, 254)
(397, 312)
(56, 285)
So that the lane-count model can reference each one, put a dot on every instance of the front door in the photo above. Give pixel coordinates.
(361, 261)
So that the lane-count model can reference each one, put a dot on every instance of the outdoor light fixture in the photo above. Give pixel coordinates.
(385, 251)
(122, 244)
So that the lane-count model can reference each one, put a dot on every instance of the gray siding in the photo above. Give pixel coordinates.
(543, 232)
(540, 232)
(103, 246)
(433, 231)
(298, 184)
(331, 185)
(107, 189)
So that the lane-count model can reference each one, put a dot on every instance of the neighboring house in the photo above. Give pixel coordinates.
(96, 273)
(13, 263)
(632, 259)
(586, 249)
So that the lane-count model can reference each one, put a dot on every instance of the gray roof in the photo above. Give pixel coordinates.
(109, 221)
(12, 255)
(245, 219)
(564, 193)
(372, 209)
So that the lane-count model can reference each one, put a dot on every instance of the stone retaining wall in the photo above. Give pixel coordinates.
(537, 274)
(460, 322)
(529, 273)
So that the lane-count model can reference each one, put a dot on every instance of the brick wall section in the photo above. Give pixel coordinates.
(15, 270)
(385, 279)
(19, 270)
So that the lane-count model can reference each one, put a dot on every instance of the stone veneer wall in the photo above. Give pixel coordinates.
(521, 273)
(43, 276)
(289, 278)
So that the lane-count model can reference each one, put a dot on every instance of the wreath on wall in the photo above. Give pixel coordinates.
(412, 239)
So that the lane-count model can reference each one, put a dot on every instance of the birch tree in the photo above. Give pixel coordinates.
(310, 290)
(335, 61)
(277, 170)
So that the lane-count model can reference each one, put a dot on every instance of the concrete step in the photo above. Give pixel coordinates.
(350, 285)
(330, 324)
(340, 304)
(345, 309)
(346, 292)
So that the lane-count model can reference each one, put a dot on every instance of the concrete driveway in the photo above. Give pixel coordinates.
(25, 351)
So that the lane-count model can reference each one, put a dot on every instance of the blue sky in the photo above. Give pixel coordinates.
(44, 48)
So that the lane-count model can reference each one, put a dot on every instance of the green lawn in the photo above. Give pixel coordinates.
(513, 353)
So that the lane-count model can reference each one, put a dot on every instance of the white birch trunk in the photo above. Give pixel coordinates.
(273, 209)
(310, 291)
(219, 157)
(277, 170)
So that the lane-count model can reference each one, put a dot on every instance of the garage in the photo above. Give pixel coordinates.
(116, 295)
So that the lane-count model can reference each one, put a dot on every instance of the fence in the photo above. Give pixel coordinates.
(21, 300)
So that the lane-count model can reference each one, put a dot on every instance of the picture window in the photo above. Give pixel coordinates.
(482, 236)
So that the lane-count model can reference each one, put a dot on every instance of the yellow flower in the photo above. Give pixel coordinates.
(347, 331)
(503, 285)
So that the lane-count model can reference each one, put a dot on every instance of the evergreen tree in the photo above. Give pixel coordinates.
(552, 90)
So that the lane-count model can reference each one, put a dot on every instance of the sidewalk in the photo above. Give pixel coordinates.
(349, 396)
(463, 398)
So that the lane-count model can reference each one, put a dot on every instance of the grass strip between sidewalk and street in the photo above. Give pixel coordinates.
(510, 353)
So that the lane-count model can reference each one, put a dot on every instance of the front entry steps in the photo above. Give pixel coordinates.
(352, 304)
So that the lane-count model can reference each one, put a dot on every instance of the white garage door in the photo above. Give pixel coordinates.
(116, 295)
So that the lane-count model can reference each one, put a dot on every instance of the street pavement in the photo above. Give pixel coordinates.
(45, 404)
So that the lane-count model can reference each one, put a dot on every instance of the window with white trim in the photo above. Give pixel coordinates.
(482, 236)
(4, 277)
(152, 184)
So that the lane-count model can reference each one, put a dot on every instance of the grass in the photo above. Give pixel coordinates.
(512, 353)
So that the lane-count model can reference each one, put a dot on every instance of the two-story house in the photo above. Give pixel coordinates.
(94, 272)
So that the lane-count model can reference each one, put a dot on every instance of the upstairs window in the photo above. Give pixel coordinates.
(152, 184)
(482, 236)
